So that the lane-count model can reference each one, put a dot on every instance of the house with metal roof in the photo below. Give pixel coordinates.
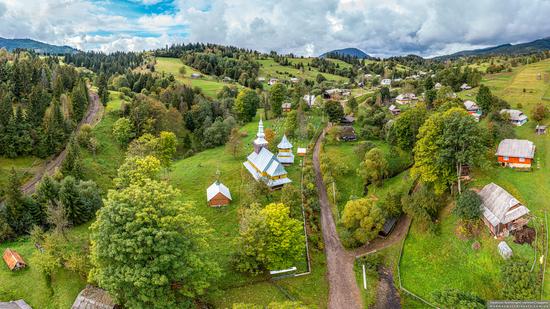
(385, 82)
(516, 153)
(517, 117)
(465, 87)
(394, 110)
(310, 99)
(218, 194)
(93, 298)
(406, 98)
(16, 304)
(13, 260)
(286, 107)
(502, 212)
(263, 165)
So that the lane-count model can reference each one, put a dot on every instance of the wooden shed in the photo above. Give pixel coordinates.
(93, 298)
(540, 129)
(13, 260)
(218, 195)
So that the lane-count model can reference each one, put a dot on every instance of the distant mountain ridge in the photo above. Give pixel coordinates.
(39, 47)
(504, 49)
(353, 52)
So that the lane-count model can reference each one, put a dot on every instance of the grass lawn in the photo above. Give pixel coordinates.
(209, 84)
(269, 68)
(350, 184)
(102, 166)
(431, 262)
(25, 167)
(193, 175)
(31, 285)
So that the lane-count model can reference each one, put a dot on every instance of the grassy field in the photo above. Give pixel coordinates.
(193, 175)
(102, 166)
(431, 262)
(65, 284)
(209, 85)
(31, 285)
(350, 184)
(24, 166)
(269, 68)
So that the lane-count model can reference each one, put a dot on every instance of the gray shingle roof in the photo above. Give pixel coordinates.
(93, 298)
(498, 203)
(515, 114)
(517, 148)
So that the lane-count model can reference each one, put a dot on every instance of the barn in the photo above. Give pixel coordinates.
(218, 195)
(93, 298)
(502, 212)
(13, 260)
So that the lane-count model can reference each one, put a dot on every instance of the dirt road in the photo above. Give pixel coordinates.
(93, 115)
(343, 290)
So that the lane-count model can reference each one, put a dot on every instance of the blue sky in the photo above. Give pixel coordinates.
(306, 27)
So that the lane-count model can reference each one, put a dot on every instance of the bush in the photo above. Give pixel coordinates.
(456, 299)
(468, 205)
(518, 281)
(362, 148)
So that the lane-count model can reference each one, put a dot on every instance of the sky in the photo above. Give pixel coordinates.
(304, 27)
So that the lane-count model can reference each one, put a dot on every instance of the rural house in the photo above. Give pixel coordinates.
(310, 99)
(301, 151)
(285, 155)
(394, 110)
(465, 87)
(347, 134)
(406, 98)
(472, 109)
(93, 298)
(294, 80)
(13, 260)
(502, 213)
(540, 129)
(347, 120)
(517, 117)
(385, 82)
(287, 107)
(218, 194)
(516, 153)
(263, 165)
(196, 75)
(438, 86)
(272, 81)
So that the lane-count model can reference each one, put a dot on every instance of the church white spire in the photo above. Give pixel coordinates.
(260, 133)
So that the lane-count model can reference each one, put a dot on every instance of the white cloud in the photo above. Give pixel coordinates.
(309, 27)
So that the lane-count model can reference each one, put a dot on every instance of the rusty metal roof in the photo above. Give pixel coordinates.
(13, 259)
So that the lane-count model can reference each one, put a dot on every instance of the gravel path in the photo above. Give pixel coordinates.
(343, 291)
(92, 117)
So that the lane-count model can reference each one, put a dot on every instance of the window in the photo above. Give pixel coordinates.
(506, 158)
(521, 159)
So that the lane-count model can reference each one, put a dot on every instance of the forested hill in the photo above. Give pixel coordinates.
(351, 52)
(505, 49)
(39, 47)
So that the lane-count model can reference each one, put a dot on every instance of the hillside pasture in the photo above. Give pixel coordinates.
(271, 69)
(434, 261)
(210, 85)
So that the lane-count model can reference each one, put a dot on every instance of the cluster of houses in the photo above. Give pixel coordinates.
(336, 93)
(406, 98)
(272, 81)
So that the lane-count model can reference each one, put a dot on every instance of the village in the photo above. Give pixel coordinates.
(193, 180)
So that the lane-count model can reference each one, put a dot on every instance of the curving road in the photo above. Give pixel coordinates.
(93, 115)
(343, 290)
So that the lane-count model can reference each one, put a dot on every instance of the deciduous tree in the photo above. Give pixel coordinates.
(363, 219)
(150, 250)
(269, 239)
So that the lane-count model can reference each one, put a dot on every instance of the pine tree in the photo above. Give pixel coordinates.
(103, 91)
(17, 212)
(71, 164)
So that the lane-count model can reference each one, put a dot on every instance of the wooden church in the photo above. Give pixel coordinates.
(263, 165)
